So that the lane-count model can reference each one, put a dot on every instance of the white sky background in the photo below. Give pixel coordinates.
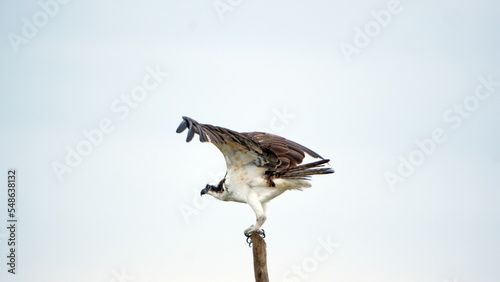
(117, 216)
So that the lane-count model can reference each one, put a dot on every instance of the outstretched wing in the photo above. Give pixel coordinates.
(276, 153)
(238, 149)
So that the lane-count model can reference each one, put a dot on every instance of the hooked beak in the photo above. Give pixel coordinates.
(205, 190)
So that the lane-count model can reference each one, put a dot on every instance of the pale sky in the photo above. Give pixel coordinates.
(402, 96)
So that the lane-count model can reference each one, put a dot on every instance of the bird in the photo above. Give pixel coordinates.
(259, 166)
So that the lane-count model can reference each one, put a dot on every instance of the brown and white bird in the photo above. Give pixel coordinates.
(260, 166)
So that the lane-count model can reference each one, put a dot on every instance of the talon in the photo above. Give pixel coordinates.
(248, 231)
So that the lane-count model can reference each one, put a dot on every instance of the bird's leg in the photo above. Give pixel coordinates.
(260, 210)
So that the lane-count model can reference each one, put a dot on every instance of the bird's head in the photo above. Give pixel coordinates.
(215, 191)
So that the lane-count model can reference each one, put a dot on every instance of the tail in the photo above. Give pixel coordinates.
(307, 170)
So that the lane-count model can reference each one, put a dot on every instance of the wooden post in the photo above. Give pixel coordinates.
(259, 257)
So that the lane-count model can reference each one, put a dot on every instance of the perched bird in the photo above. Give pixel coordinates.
(260, 166)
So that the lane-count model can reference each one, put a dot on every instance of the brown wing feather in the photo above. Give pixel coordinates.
(305, 171)
(282, 156)
(290, 153)
(221, 136)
